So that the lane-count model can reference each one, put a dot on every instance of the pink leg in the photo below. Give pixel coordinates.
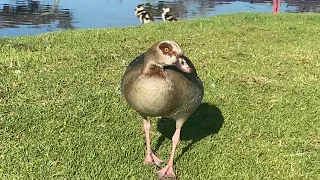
(168, 171)
(150, 157)
(274, 6)
(278, 6)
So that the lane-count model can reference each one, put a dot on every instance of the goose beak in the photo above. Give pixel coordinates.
(182, 64)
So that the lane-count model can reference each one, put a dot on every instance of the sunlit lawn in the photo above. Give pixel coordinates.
(62, 115)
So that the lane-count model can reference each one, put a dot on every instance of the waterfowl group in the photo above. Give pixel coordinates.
(146, 17)
(162, 82)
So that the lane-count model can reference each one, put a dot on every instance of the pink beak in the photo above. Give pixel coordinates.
(183, 65)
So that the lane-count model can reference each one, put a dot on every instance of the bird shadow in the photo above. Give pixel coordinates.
(206, 120)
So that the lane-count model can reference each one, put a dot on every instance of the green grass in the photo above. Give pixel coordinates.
(62, 116)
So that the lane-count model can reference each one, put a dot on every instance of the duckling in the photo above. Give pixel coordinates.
(167, 16)
(143, 15)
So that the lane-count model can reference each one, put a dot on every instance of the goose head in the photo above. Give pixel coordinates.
(166, 9)
(167, 53)
(140, 7)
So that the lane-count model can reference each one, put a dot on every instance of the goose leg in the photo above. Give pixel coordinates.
(274, 6)
(150, 157)
(278, 6)
(168, 171)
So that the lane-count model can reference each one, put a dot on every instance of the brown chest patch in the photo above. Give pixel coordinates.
(155, 70)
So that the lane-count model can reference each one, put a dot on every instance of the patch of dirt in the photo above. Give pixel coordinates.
(2, 94)
(255, 80)
(24, 47)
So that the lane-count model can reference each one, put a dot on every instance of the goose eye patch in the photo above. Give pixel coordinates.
(166, 48)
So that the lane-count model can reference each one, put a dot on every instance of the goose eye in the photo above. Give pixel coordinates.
(166, 50)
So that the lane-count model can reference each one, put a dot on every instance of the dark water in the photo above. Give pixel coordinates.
(31, 17)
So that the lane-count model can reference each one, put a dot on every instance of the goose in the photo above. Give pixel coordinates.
(167, 16)
(143, 15)
(162, 82)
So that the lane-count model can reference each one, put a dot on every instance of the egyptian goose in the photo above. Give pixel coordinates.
(167, 16)
(143, 15)
(162, 82)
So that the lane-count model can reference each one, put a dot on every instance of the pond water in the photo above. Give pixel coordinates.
(31, 17)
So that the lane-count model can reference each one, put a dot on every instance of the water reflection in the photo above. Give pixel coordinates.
(21, 17)
(202, 8)
(305, 5)
(32, 14)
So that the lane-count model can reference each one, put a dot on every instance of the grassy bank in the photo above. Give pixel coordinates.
(62, 117)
